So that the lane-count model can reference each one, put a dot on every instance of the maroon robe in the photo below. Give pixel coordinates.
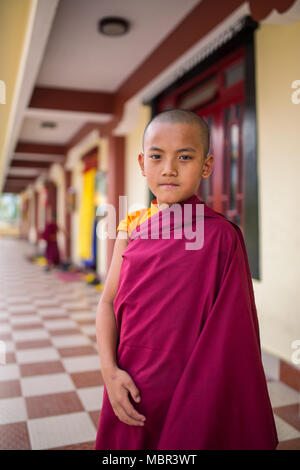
(189, 338)
(52, 251)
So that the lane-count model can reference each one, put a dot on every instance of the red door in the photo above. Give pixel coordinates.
(223, 190)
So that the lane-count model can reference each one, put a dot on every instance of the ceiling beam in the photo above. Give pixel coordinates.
(19, 163)
(33, 147)
(64, 99)
(19, 179)
(12, 189)
(39, 157)
(16, 185)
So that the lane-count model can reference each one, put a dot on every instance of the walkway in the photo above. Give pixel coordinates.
(51, 385)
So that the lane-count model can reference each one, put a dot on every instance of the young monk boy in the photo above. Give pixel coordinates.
(49, 234)
(177, 328)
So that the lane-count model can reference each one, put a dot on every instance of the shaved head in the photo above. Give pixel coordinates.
(175, 116)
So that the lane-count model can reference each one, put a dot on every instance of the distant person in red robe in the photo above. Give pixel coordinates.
(50, 236)
(177, 328)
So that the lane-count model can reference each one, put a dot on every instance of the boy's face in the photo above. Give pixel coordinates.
(173, 153)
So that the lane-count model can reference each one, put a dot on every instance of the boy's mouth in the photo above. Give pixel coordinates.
(169, 185)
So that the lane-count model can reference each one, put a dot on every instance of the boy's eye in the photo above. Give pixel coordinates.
(154, 156)
(188, 157)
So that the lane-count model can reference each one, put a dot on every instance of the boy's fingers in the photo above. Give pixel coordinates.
(127, 417)
(124, 417)
(131, 411)
(134, 391)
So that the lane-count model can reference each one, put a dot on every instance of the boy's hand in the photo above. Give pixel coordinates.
(118, 384)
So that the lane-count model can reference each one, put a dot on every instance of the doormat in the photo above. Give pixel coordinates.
(70, 277)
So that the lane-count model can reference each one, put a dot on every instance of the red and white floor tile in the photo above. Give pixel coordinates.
(51, 386)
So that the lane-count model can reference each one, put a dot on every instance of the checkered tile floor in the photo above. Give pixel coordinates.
(51, 386)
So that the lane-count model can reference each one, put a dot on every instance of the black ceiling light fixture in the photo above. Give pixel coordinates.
(113, 26)
(48, 124)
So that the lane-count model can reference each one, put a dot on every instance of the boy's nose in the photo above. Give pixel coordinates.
(169, 169)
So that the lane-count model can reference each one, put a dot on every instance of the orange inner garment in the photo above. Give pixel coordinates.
(136, 218)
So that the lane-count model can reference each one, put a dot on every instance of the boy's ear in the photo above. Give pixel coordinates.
(208, 166)
(141, 162)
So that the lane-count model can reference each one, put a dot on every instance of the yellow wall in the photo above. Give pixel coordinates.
(14, 23)
(278, 119)
(77, 184)
(136, 187)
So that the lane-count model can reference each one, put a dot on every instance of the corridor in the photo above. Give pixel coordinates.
(51, 385)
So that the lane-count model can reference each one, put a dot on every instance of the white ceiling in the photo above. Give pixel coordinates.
(67, 124)
(79, 57)
(76, 56)
(33, 132)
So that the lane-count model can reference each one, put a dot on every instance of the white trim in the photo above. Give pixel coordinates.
(130, 116)
(220, 34)
(287, 18)
(2, 92)
(55, 114)
(38, 28)
(39, 157)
